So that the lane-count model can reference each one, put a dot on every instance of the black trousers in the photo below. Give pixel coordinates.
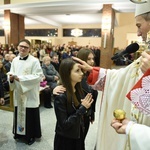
(33, 126)
(46, 96)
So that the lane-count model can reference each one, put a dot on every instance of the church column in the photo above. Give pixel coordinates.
(107, 38)
(14, 27)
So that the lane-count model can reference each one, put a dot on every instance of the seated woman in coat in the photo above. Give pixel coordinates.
(50, 73)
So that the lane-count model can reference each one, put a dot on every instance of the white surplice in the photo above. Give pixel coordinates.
(117, 84)
(139, 137)
(26, 91)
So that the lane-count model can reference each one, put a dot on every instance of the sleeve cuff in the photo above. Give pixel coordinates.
(92, 78)
(129, 126)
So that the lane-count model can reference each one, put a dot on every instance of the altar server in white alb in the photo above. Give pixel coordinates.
(25, 76)
(115, 84)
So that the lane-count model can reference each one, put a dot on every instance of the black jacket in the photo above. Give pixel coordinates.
(88, 89)
(5, 83)
(7, 66)
(1, 89)
(69, 119)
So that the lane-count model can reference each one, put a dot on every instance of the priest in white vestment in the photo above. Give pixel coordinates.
(115, 84)
(25, 76)
(138, 135)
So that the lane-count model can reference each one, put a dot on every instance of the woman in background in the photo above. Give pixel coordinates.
(87, 55)
(50, 73)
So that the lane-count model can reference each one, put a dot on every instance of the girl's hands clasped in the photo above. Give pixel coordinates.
(87, 101)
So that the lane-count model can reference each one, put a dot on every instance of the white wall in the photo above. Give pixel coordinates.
(124, 33)
(2, 39)
(132, 37)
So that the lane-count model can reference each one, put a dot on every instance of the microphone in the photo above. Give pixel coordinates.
(129, 49)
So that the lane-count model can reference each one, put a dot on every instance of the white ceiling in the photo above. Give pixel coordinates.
(63, 12)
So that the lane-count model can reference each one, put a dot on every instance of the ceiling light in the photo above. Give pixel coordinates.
(139, 1)
(76, 32)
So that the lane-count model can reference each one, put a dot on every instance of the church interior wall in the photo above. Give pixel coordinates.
(126, 25)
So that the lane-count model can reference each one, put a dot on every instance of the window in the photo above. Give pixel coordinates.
(41, 32)
(1, 32)
(86, 33)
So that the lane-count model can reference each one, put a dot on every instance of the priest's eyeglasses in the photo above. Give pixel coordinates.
(25, 47)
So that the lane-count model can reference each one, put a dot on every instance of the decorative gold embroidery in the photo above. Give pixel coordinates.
(134, 113)
(136, 67)
(26, 71)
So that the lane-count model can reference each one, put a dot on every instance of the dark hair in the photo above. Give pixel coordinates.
(84, 53)
(25, 40)
(65, 71)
